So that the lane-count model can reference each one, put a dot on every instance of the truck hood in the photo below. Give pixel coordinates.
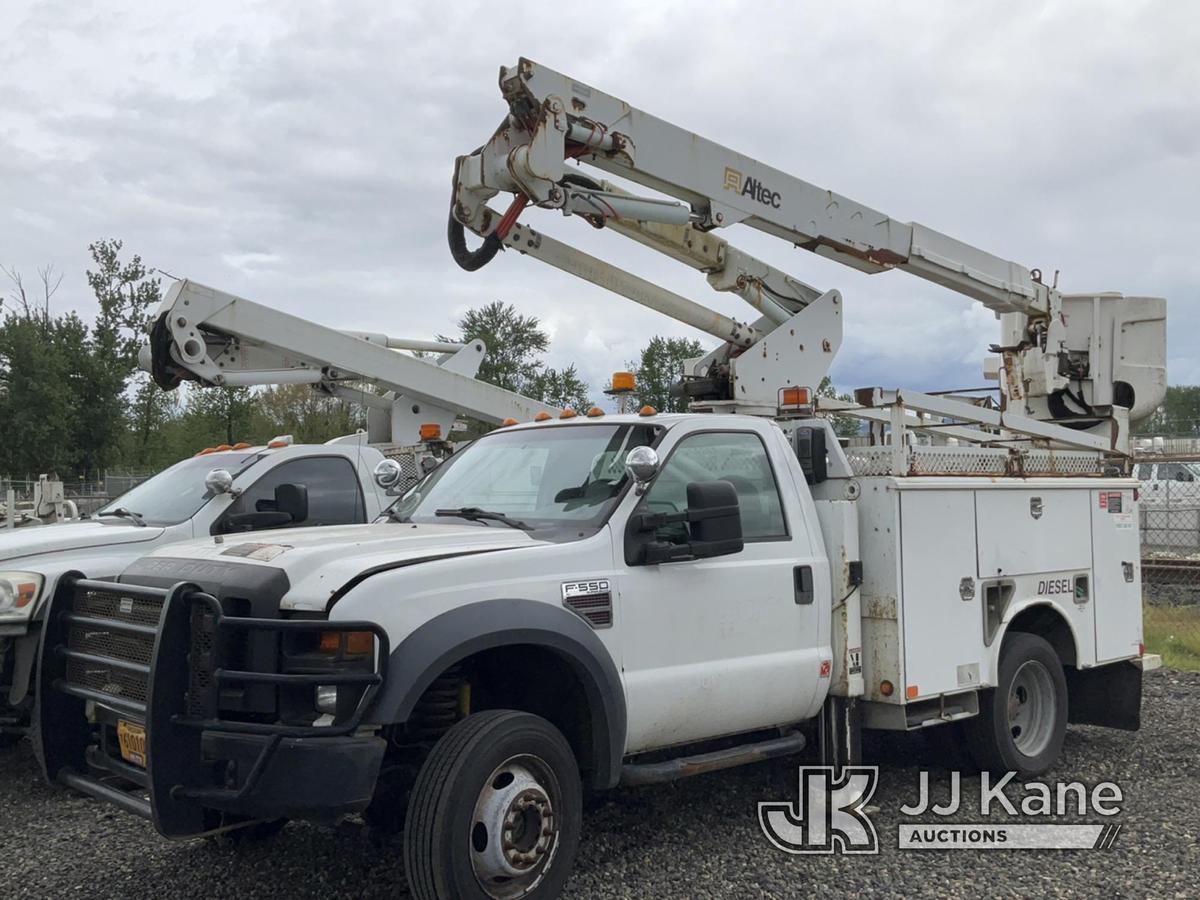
(318, 561)
(36, 540)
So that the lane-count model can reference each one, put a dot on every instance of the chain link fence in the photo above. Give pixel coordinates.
(88, 493)
(1170, 511)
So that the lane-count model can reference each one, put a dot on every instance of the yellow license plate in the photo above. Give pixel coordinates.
(132, 738)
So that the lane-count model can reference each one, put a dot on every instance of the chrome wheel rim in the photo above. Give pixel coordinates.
(514, 827)
(1032, 708)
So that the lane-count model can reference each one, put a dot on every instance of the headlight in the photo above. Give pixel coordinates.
(18, 591)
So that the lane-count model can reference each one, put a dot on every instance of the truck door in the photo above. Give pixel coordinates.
(731, 643)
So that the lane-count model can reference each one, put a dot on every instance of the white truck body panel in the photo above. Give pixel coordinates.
(923, 538)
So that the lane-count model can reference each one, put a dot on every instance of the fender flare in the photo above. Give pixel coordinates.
(1021, 607)
(461, 632)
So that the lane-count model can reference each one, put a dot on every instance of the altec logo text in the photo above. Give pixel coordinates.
(751, 187)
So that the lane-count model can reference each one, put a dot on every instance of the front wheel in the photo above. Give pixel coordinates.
(1023, 721)
(495, 811)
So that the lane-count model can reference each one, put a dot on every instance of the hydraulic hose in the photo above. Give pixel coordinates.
(471, 260)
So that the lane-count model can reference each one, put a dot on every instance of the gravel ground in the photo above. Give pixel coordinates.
(697, 838)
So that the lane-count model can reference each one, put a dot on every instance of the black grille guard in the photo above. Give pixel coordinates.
(174, 778)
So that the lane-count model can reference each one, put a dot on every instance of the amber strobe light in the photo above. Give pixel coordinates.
(795, 396)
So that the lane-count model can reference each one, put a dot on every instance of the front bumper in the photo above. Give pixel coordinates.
(116, 657)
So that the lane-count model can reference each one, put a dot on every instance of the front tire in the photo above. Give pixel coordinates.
(1023, 721)
(495, 811)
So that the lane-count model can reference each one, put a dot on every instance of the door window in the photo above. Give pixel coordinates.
(1174, 472)
(737, 457)
(334, 496)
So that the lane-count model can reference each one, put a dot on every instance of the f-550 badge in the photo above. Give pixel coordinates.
(590, 599)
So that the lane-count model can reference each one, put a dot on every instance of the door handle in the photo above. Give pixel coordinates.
(803, 577)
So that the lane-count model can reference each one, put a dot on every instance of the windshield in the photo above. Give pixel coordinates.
(543, 477)
(176, 494)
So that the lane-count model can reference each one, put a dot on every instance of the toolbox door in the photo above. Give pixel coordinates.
(943, 630)
(1117, 588)
(1024, 532)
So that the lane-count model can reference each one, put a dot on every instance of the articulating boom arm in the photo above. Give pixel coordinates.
(213, 338)
(1064, 357)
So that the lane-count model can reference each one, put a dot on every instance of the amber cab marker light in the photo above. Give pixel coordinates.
(595, 412)
(542, 417)
(431, 431)
(647, 411)
(241, 445)
(221, 448)
(206, 451)
(508, 422)
(275, 445)
(567, 413)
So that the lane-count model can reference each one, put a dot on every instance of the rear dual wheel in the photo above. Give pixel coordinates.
(495, 811)
(1023, 721)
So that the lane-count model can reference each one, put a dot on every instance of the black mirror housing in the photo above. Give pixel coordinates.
(292, 499)
(714, 522)
(715, 518)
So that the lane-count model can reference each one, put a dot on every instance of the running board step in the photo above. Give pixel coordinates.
(636, 774)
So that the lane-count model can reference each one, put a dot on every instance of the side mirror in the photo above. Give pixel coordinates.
(219, 481)
(715, 517)
(714, 522)
(642, 465)
(292, 499)
(388, 474)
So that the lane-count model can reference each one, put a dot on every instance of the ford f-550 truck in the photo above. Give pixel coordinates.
(584, 600)
(562, 597)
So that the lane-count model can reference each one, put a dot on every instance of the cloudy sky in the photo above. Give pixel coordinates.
(300, 154)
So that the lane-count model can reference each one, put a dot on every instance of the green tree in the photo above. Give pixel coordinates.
(309, 416)
(41, 357)
(843, 426)
(514, 344)
(221, 415)
(127, 294)
(1178, 416)
(660, 366)
(563, 388)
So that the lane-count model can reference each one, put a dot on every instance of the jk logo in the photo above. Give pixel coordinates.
(829, 817)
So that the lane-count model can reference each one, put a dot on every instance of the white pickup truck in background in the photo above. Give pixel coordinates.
(280, 486)
(1167, 483)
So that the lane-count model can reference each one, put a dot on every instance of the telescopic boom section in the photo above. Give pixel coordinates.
(214, 338)
(554, 118)
(1092, 361)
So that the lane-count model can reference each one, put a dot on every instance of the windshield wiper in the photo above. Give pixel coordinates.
(474, 513)
(123, 513)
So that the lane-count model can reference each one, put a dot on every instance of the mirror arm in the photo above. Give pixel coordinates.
(651, 521)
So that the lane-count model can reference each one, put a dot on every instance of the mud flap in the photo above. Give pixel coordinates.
(840, 732)
(1109, 696)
